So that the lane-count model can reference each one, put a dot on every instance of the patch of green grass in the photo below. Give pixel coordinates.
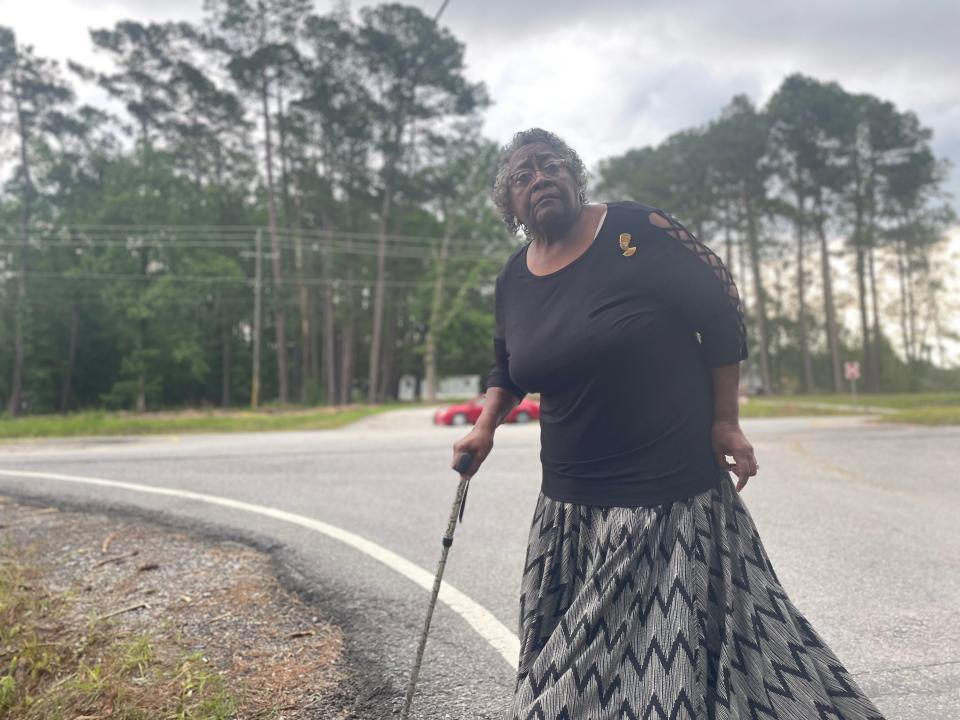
(920, 408)
(136, 654)
(925, 416)
(173, 423)
(195, 679)
(767, 408)
(899, 401)
(8, 688)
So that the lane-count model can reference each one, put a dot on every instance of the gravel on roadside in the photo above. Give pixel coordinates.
(220, 599)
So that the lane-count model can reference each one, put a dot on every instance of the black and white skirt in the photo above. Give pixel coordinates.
(671, 611)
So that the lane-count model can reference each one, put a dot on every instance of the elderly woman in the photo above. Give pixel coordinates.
(646, 590)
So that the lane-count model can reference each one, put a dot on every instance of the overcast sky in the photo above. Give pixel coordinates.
(619, 74)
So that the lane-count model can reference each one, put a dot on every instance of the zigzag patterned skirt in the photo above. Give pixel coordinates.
(671, 611)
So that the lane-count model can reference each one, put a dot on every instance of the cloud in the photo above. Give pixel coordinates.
(143, 9)
(618, 74)
(69, 35)
(659, 67)
(868, 33)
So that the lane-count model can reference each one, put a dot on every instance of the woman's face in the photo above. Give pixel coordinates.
(543, 190)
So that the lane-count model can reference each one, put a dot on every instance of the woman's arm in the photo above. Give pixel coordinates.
(726, 436)
(479, 441)
(502, 395)
(695, 282)
(703, 289)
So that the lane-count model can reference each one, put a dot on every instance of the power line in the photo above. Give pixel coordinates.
(335, 248)
(69, 300)
(214, 279)
(227, 232)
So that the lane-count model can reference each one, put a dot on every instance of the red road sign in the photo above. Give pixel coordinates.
(851, 370)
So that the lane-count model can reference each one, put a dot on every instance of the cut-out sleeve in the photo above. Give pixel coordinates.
(697, 284)
(499, 375)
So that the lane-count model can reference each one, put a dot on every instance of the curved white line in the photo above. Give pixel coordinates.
(478, 617)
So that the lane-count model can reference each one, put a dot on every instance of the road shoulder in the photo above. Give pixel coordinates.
(207, 618)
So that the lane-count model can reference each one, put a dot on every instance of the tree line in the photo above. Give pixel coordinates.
(284, 206)
(784, 193)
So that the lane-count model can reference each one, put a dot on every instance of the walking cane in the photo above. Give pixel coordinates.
(463, 465)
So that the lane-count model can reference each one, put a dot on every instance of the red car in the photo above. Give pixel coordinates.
(469, 411)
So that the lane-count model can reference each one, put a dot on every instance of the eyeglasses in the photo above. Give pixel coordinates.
(550, 169)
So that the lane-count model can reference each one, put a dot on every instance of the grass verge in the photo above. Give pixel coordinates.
(770, 408)
(894, 401)
(50, 669)
(916, 408)
(925, 416)
(100, 423)
(919, 408)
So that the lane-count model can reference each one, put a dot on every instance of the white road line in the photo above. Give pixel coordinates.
(478, 617)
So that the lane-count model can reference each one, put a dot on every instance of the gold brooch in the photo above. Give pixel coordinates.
(625, 239)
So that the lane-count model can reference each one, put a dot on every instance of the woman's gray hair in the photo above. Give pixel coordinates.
(501, 183)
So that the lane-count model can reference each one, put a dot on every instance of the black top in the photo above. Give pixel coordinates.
(619, 344)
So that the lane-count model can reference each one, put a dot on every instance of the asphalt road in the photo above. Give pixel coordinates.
(859, 520)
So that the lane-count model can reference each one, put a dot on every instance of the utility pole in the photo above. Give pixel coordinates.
(257, 313)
